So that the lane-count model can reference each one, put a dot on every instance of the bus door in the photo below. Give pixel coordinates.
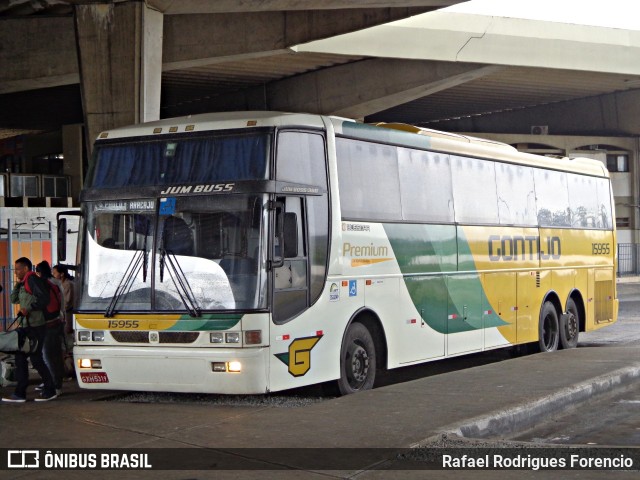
(499, 309)
(464, 316)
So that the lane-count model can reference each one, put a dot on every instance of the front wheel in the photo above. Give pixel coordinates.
(570, 326)
(357, 360)
(548, 329)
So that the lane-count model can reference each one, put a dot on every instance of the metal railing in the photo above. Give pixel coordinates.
(628, 259)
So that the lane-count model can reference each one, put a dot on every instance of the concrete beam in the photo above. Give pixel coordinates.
(353, 90)
(42, 50)
(610, 114)
(183, 7)
(37, 52)
(359, 89)
(120, 63)
(455, 37)
(199, 40)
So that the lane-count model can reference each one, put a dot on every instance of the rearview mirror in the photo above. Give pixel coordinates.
(62, 239)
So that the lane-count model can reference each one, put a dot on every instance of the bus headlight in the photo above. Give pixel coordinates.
(97, 336)
(84, 335)
(216, 337)
(232, 337)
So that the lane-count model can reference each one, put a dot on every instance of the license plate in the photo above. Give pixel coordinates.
(94, 377)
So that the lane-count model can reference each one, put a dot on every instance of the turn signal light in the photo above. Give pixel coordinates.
(253, 337)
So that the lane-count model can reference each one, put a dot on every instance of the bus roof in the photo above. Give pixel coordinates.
(215, 121)
(394, 133)
(453, 143)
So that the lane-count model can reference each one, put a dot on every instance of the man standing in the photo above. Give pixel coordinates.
(32, 307)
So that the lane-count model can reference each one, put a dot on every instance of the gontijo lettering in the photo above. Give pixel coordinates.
(508, 248)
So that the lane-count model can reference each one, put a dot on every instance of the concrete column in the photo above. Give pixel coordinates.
(72, 151)
(120, 59)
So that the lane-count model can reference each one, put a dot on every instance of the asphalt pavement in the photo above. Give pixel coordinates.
(268, 432)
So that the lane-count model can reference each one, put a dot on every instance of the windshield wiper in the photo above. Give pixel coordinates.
(138, 261)
(180, 281)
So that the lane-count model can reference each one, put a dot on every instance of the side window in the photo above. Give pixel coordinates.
(369, 181)
(552, 198)
(426, 191)
(474, 190)
(301, 158)
(516, 195)
(605, 214)
(583, 202)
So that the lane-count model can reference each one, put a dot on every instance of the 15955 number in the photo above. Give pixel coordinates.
(123, 324)
(600, 249)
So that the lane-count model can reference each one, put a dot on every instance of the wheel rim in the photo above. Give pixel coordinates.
(549, 332)
(358, 362)
(572, 326)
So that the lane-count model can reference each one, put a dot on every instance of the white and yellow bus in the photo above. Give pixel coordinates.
(252, 252)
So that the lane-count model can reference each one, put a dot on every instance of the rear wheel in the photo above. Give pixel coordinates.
(357, 360)
(570, 326)
(548, 329)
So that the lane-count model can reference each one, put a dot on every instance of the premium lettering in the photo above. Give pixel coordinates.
(370, 250)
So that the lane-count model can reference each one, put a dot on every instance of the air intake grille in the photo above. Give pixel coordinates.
(131, 337)
(178, 337)
(165, 337)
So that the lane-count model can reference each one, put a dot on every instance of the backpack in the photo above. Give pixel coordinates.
(52, 310)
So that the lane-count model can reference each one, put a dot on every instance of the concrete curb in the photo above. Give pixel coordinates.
(630, 279)
(521, 417)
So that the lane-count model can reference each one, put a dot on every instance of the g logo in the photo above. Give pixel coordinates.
(298, 358)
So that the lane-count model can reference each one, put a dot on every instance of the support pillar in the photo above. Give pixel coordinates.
(72, 151)
(120, 59)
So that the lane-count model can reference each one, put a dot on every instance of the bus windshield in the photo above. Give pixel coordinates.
(200, 254)
(167, 161)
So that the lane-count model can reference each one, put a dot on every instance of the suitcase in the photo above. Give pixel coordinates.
(7, 372)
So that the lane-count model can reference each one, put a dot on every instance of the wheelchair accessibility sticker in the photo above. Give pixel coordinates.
(353, 288)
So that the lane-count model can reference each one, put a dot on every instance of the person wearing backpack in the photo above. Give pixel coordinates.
(33, 296)
(52, 351)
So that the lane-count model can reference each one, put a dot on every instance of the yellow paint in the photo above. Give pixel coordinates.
(361, 262)
(136, 322)
(563, 262)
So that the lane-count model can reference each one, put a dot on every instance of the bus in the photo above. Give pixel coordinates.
(252, 252)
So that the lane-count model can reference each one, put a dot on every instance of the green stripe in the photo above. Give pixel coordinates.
(208, 321)
(434, 249)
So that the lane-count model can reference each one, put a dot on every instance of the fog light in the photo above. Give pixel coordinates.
(233, 337)
(235, 366)
(90, 363)
(253, 337)
(84, 335)
(218, 366)
(84, 363)
(216, 337)
(97, 336)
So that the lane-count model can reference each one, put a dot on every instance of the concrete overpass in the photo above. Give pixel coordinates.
(101, 64)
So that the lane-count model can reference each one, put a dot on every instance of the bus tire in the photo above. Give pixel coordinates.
(357, 360)
(570, 326)
(548, 328)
